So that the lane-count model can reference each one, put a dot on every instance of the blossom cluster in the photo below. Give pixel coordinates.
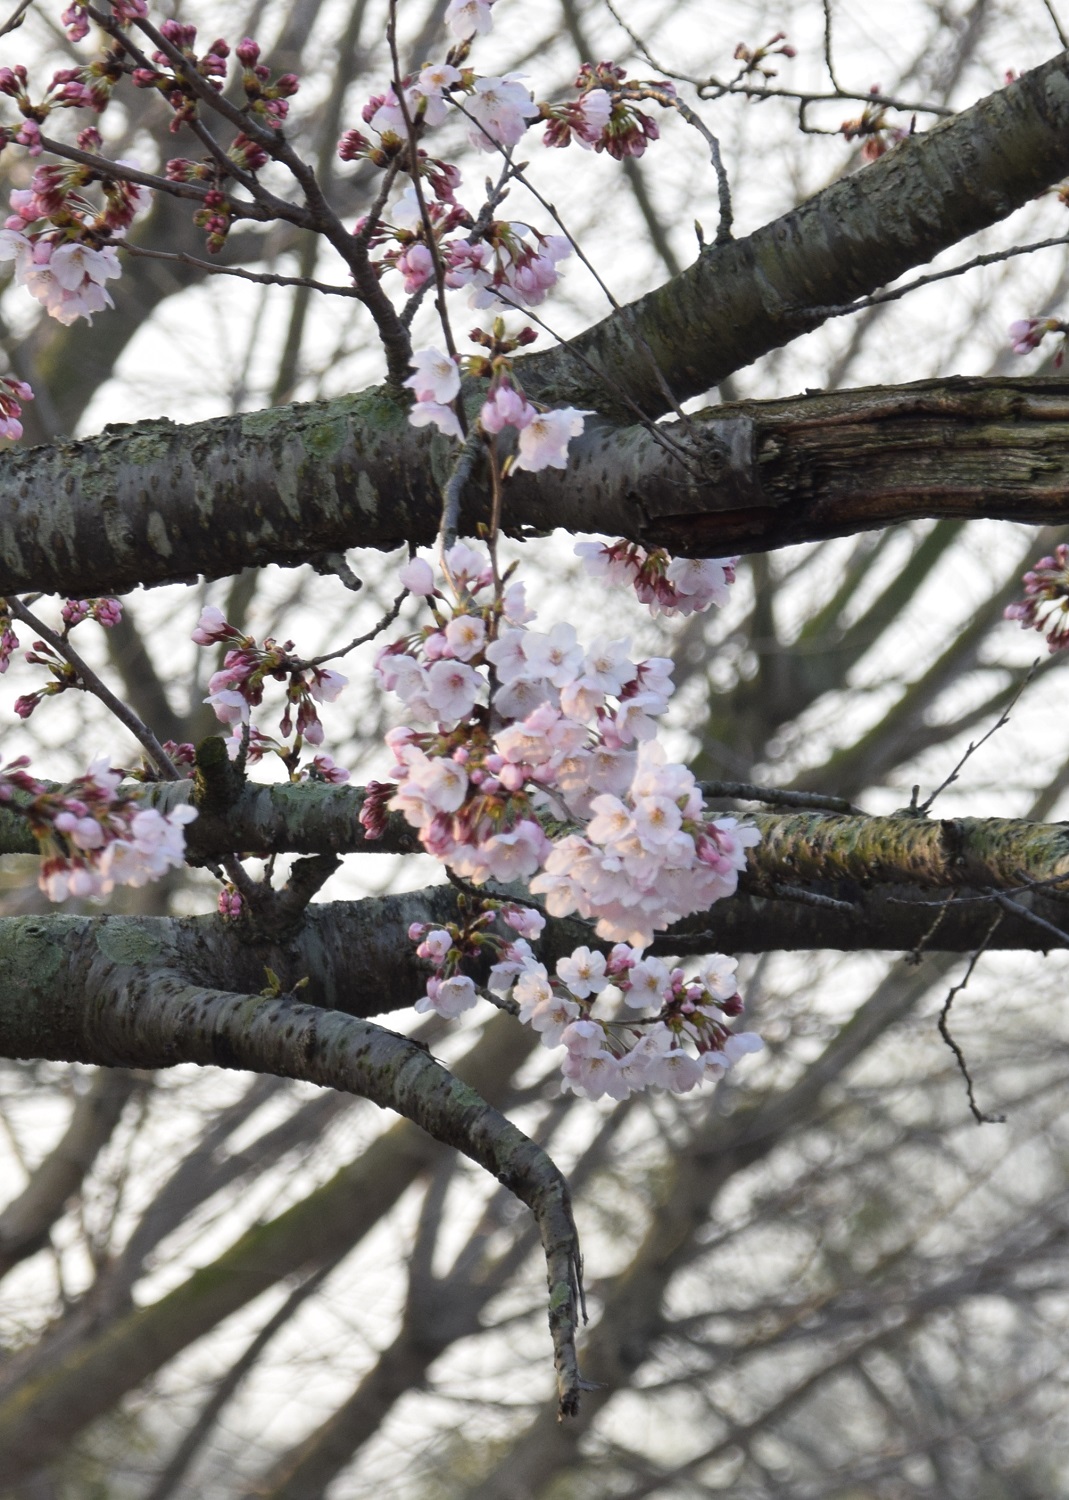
(430, 231)
(755, 59)
(543, 435)
(238, 687)
(1045, 606)
(62, 673)
(93, 834)
(619, 1050)
(12, 394)
(62, 244)
(669, 586)
(873, 129)
(530, 732)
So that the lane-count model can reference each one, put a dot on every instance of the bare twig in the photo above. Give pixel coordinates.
(716, 88)
(15, 19)
(878, 298)
(1001, 898)
(91, 683)
(944, 1030)
(454, 490)
(974, 745)
(264, 278)
(811, 898)
(1058, 27)
(747, 791)
(369, 635)
(828, 62)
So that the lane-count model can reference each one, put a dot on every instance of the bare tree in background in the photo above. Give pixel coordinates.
(821, 1280)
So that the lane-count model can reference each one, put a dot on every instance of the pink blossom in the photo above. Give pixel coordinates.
(466, 635)
(432, 413)
(501, 109)
(452, 688)
(543, 443)
(326, 684)
(435, 946)
(506, 407)
(552, 1017)
(211, 627)
(1028, 333)
(525, 920)
(417, 576)
(449, 997)
(323, 768)
(436, 377)
(583, 971)
(416, 265)
(468, 18)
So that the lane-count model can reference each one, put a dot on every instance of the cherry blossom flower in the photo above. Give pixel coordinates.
(436, 377)
(417, 576)
(501, 109)
(468, 18)
(583, 972)
(434, 414)
(543, 443)
(449, 997)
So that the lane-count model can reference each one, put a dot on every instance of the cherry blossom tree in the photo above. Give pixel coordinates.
(584, 862)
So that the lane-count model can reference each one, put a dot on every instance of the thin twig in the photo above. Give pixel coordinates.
(723, 186)
(655, 429)
(1058, 27)
(361, 640)
(828, 63)
(747, 791)
(803, 897)
(763, 91)
(623, 311)
(91, 683)
(944, 904)
(264, 278)
(974, 745)
(1001, 898)
(944, 1030)
(454, 490)
(878, 298)
(15, 19)
(428, 228)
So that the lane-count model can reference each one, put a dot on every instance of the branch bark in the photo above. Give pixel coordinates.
(154, 502)
(287, 484)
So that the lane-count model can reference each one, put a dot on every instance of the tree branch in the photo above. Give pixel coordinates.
(287, 484)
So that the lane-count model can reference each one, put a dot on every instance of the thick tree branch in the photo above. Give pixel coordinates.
(871, 878)
(131, 1015)
(739, 300)
(155, 502)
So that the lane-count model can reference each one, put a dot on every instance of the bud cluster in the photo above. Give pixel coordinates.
(1045, 606)
(93, 834)
(238, 687)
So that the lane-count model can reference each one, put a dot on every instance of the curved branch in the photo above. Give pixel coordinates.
(135, 1016)
(70, 1382)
